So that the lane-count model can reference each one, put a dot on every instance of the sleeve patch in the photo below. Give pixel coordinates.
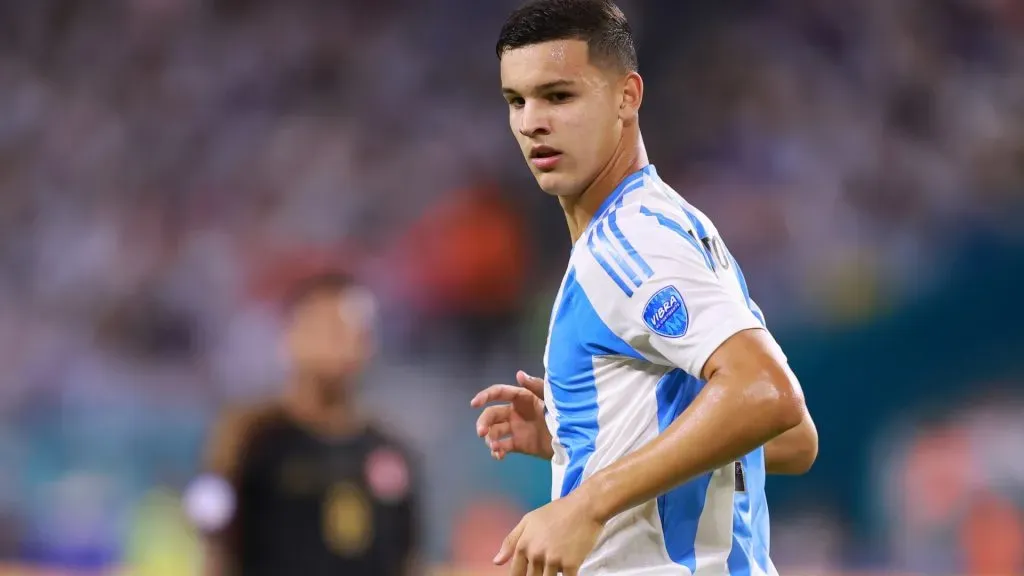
(209, 501)
(665, 313)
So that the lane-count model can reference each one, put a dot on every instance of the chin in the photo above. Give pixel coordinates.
(556, 184)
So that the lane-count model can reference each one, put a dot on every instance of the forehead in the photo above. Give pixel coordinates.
(318, 303)
(525, 68)
(352, 304)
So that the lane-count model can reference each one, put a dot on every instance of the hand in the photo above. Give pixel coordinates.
(518, 425)
(553, 539)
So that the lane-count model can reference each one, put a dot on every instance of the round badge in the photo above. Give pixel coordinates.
(347, 520)
(387, 474)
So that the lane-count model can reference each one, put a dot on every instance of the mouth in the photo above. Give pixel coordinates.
(545, 158)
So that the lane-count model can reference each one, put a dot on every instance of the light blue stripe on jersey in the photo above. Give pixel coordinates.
(754, 308)
(596, 251)
(626, 244)
(606, 246)
(750, 532)
(628, 184)
(678, 229)
(570, 373)
(606, 250)
(680, 508)
(702, 232)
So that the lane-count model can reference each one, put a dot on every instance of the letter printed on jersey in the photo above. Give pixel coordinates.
(665, 313)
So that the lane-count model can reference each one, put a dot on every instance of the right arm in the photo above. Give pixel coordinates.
(212, 498)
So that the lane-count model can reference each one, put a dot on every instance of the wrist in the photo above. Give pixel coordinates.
(595, 494)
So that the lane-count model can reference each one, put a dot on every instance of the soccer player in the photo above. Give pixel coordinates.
(306, 484)
(665, 399)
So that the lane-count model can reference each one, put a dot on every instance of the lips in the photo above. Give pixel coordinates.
(545, 158)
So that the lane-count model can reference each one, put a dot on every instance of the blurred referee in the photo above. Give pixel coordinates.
(306, 485)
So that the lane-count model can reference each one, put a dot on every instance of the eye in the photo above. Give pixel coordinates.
(516, 102)
(559, 97)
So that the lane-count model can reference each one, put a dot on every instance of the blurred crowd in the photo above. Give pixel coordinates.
(168, 166)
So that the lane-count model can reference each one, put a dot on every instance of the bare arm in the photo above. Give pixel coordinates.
(793, 452)
(214, 495)
(215, 560)
(749, 399)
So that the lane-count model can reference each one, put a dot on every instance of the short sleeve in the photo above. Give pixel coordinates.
(212, 500)
(687, 308)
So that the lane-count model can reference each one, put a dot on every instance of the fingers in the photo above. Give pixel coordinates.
(499, 431)
(519, 565)
(550, 570)
(501, 448)
(509, 544)
(491, 416)
(495, 393)
(532, 383)
(498, 439)
(508, 393)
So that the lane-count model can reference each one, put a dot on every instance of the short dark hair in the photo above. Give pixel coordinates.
(599, 23)
(333, 282)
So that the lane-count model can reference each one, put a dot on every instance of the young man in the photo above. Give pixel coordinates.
(665, 398)
(306, 485)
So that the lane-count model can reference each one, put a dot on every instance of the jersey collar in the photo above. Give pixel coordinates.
(625, 186)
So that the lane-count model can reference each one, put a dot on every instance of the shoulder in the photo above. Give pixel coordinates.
(235, 430)
(651, 234)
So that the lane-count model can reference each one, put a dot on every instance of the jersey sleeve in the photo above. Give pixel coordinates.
(688, 306)
(213, 499)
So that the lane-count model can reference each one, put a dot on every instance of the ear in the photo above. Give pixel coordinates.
(632, 97)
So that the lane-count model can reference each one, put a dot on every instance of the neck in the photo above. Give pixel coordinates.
(330, 414)
(580, 210)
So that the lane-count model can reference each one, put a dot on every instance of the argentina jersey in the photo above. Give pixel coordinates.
(650, 293)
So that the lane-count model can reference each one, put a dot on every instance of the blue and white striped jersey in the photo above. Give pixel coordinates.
(650, 293)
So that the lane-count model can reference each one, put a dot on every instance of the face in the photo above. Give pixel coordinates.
(567, 114)
(330, 335)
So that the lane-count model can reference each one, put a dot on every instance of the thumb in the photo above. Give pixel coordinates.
(532, 383)
(508, 546)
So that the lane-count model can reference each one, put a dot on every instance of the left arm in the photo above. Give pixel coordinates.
(793, 452)
(749, 399)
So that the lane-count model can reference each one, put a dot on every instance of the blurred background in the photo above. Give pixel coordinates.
(167, 167)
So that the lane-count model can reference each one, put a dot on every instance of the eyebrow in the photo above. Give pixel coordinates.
(542, 88)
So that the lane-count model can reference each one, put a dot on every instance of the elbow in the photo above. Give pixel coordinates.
(785, 403)
(805, 458)
(789, 413)
(803, 452)
(795, 423)
(797, 445)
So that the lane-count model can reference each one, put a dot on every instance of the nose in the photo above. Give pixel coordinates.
(534, 120)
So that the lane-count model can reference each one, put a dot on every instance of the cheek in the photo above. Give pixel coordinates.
(594, 140)
(515, 123)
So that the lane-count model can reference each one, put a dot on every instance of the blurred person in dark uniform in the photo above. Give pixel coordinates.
(306, 484)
